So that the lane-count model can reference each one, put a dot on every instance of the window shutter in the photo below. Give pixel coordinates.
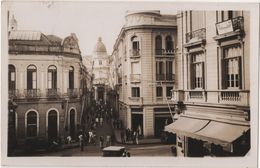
(203, 75)
(239, 72)
(192, 75)
(29, 79)
(55, 79)
(224, 73)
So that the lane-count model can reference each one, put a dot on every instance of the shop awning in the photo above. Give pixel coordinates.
(221, 133)
(186, 126)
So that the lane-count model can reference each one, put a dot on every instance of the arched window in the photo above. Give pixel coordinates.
(31, 124)
(169, 44)
(135, 46)
(71, 78)
(11, 77)
(52, 77)
(31, 77)
(158, 45)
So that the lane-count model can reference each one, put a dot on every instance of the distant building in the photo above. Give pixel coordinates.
(100, 71)
(213, 83)
(144, 55)
(46, 82)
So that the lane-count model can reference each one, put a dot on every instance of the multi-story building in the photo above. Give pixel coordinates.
(213, 83)
(145, 62)
(100, 71)
(45, 82)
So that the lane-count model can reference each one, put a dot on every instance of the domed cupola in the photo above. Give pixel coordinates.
(100, 48)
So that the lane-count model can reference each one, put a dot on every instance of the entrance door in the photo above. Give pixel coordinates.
(159, 124)
(137, 120)
(52, 125)
(72, 123)
(100, 93)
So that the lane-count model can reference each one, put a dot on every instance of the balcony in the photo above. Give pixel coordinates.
(164, 53)
(32, 93)
(13, 94)
(135, 101)
(134, 53)
(231, 27)
(227, 97)
(72, 93)
(165, 77)
(160, 77)
(170, 77)
(135, 78)
(53, 93)
(196, 37)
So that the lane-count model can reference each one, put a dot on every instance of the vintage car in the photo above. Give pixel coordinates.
(113, 151)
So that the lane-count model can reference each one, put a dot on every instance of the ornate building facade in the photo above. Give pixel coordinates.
(144, 55)
(213, 83)
(100, 71)
(46, 82)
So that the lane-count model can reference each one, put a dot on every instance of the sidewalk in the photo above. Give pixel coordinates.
(141, 141)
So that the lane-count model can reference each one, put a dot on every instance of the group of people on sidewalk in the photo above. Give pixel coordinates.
(129, 135)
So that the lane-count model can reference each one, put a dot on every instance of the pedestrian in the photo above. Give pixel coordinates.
(127, 135)
(101, 142)
(108, 140)
(128, 154)
(122, 136)
(69, 139)
(81, 142)
(139, 130)
(136, 137)
(90, 134)
(133, 137)
(101, 121)
(124, 153)
(97, 121)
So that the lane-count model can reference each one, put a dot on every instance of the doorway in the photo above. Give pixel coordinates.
(52, 125)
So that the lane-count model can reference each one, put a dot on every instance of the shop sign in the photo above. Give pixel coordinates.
(225, 27)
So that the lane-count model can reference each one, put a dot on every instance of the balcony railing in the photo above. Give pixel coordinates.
(53, 93)
(32, 93)
(163, 52)
(230, 25)
(230, 97)
(170, 77)
(160, 77)
(13, 94)
(196, 35)
(135, 77)
(134, 53)
(72, 93)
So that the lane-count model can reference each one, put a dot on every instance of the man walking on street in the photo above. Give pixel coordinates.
(122, 136)
(81, 142)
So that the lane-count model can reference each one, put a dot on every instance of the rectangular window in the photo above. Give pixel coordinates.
(231, 67)
(159, 92)
(197, 71)
(169, 70)
(135, 45)
(135, 92)
(159, 70)
(169, 91)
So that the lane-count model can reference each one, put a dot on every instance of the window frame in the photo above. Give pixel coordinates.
(135, 92)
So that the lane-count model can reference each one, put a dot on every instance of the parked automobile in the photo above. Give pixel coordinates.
(114, 151)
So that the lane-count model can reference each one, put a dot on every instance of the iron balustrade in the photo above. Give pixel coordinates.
(199, 34)
(32, 93)
(163, 52)
(72, 93)
(170, 77)
(160, 77)
(230, 96)
(52, 93)
(196, 94)
(13, 94)
(135, 52)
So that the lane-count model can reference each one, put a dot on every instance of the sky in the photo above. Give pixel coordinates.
(88, 20)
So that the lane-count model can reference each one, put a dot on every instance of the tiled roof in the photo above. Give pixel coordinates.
(25, 35)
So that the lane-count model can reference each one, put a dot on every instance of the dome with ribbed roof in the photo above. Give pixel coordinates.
(100, 47)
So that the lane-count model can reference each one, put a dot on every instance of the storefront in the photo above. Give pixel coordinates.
(198, 137)
(162, 117)
(137, 119)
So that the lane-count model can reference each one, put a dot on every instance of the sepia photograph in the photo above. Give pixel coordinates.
(135, 80)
